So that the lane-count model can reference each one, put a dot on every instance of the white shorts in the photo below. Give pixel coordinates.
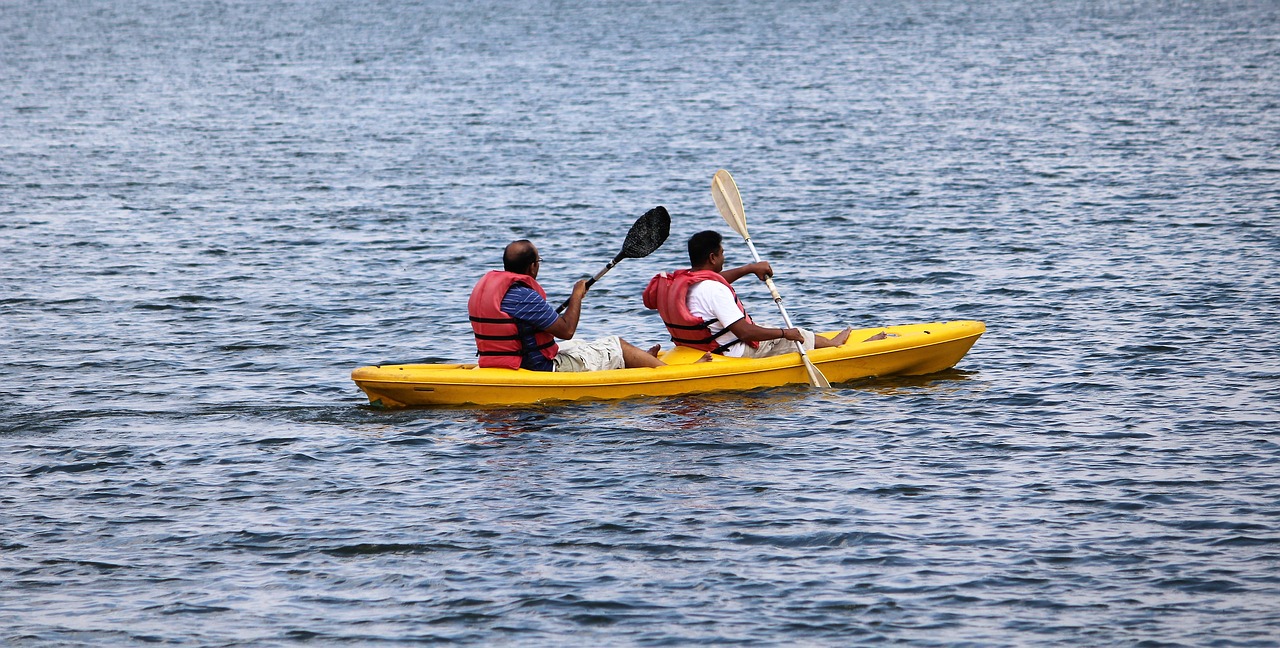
(596, 355)
(780, 346)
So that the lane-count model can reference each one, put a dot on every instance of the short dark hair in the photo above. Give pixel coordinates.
(519, 256)
(702, 245)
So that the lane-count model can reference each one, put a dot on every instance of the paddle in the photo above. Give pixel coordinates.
(725, 192)
(646, 235)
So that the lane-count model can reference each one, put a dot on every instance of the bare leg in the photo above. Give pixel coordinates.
(633, 356)
(820, 342)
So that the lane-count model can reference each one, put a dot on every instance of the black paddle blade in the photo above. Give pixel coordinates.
(648, 234)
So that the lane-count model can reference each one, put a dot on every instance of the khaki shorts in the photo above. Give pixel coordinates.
(596, 355)
(780, 346)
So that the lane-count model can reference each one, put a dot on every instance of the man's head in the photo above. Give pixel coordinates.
(521, 257)
(706, 250)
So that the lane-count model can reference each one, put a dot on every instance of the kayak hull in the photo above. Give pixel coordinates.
(907, 350)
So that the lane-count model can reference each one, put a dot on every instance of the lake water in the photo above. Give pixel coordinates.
(212, 211)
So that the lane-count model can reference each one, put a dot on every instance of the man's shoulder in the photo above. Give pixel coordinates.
(525, 303)
(523, 293)
(712, 299)
(521, 289)
(709, 289)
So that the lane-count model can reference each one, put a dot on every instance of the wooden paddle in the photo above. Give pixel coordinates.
(725, 192)
(646, 235)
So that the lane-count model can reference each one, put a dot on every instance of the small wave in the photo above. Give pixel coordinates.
(96, 564)
(373, 548)
(252, 346)
(1201, 585)
(188, 608)
(1246, 541)
(74, 467)
(820, 539)
(1215, 525)
(162, 307)
(272, 441)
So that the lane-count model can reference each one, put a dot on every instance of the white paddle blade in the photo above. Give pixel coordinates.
(725, 192)
(816, 379)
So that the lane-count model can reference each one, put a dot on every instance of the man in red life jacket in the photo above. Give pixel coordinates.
(702, 311)
(516, 328)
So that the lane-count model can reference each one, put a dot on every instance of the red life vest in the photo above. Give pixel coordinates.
(497, 335)
(669, 294)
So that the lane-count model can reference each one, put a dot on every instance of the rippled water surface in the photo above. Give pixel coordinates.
(211, 212)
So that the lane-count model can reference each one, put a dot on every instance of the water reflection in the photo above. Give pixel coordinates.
(943, 381)
(508, 423)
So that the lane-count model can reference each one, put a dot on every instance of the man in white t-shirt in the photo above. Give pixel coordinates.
(702, 311)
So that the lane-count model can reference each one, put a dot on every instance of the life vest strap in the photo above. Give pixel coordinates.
(493, 320)
(480, 336)
(691, 327)
(711, 337)
(520, 352)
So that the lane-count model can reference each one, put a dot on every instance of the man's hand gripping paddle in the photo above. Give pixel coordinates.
(646, 235)
(725, 192)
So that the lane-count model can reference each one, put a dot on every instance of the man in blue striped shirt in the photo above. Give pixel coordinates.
(533, 315)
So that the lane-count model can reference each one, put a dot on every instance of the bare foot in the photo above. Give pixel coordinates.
(820, 342)
(706, 357)
(653, 350)
(878, 336)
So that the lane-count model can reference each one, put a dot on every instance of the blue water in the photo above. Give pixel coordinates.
(210, 212)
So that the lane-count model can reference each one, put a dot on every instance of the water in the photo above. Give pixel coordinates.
(210, 212)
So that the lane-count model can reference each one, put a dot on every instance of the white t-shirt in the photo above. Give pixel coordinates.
(713, 300)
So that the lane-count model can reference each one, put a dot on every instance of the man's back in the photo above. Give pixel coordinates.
(711, 300)
(532, 314)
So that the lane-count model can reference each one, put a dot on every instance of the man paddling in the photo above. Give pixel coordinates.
(516, 328)
(702, 311)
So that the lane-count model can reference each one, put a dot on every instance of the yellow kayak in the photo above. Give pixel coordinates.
(908, 350)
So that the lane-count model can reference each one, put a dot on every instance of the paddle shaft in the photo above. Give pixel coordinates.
(591, 282)
(777, 298)
(816, 378)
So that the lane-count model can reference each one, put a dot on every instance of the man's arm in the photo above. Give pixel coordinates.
(567, 325)
(761, 269)
(748, 332)
(716, 300)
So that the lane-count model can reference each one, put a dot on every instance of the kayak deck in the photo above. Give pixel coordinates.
(910, 350)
